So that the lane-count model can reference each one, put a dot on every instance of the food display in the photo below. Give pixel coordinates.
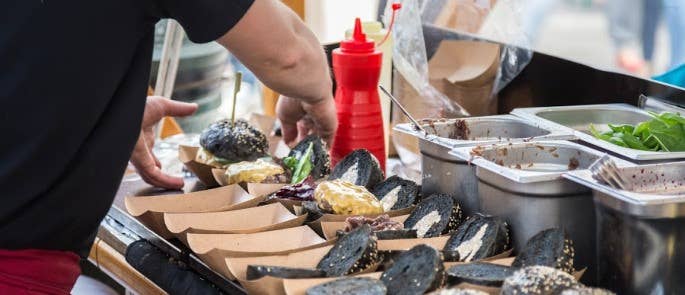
(434, 216)
(342, 197)
(359, 168)
(396, 193)
(346, 286)
(665, 132)
(477, 238)
(386, 236)
(224, 142)
(416, 271)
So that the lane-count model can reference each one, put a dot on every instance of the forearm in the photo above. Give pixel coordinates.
(279, 49)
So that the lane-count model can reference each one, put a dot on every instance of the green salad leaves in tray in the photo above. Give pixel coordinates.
(665, 132)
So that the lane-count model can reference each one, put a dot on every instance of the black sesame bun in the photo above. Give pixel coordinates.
(436, 215)
(396, 234)
(538, 280)
(586, 291)
(258, 271)
(479, 237)
(360, 168)
(458, 291)
(349, 286)
(550, 247)
(396, 193)
(234, 143)
(321, 161)
(416, 271)
(479, 273)
(353, 252)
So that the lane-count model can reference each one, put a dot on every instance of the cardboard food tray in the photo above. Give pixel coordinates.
(203, 172)
(329, 228)
(244, 221)
(504, 256)
(150, 209)
(213, 249)
(316, 224)
(406, 244)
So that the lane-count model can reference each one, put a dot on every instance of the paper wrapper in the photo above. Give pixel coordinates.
(213, 249)
(300, 286)
(316, 224)
(203, 172)
(150, 209)
(249, 220)
(329, 228)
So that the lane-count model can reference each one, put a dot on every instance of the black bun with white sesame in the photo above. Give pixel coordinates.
(436, 215)
(234, 142)
(550, 247)
(360, 167)
(416, 271)
(347, 286)
(396, 193)
(479, 237)
(538, 280)
(353, 252)
(479, 273)
(258, 271)
(321, 161)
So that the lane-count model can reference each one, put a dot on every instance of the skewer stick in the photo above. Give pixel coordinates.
(406, 113)
(236, 89)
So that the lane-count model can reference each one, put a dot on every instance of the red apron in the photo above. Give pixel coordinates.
(38, 271)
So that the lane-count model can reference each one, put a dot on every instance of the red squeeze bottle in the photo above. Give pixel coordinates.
(357, 69)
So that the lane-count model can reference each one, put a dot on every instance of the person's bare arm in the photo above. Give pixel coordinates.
(284, 54)
(277, 47)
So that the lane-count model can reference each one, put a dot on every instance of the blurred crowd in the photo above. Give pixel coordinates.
(632, 26)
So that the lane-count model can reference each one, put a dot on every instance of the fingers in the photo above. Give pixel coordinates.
(289, 111)
(324, 118)
(148, 167)
(158, 107)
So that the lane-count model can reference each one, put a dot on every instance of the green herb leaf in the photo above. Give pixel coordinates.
(291, 163)
(304, 165)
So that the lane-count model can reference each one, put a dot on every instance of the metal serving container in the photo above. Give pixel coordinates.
(445, 173)
(641, 233)
(577, 119)
(523, 183)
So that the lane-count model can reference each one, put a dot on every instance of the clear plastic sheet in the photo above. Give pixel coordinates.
(420, 29)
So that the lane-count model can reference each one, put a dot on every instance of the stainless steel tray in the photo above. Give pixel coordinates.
(659, 190)
(577, 119)
(444, 134)
(530, 162)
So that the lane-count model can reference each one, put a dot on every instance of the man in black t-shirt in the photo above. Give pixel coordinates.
(73, 78)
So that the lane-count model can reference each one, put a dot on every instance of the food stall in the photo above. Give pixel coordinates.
(517, 180)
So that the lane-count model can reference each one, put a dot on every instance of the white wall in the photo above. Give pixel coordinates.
(330, 18)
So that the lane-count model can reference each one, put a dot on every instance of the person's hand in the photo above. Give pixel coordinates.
(299, 119)
(142, 158)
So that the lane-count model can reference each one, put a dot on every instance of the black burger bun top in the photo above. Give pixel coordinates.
(234, 142)
(321, 161)
(360, 168)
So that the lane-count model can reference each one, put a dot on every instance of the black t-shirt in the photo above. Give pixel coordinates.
(73, 80)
